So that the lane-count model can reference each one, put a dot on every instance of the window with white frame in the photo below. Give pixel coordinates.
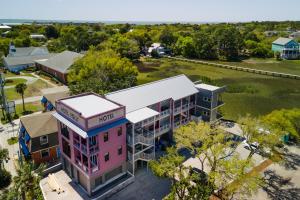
(94, 159)
(44, 139)
(45, 153)
(106, 157)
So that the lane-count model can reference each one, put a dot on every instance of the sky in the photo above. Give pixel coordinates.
(152, 10)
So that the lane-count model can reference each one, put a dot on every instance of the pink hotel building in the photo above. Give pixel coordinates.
(106, 139)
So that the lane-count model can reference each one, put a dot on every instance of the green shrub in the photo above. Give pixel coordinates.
(5, 178)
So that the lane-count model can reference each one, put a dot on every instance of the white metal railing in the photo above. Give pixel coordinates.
(164, 113)
(148, 121)
(146, 140)
(191, 104)
(163, 129)
(144, 156)
(177, 110)
(185, 107)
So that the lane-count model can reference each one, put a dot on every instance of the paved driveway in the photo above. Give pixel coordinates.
(145, 187)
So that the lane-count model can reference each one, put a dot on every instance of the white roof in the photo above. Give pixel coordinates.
(207, 87)
(4, 27)
(135, 98)
(141, 114)
(90, 105)
(69, 124)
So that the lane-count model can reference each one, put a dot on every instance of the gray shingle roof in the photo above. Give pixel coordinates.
(29, 51)
(62, 61)
(282, 41)
(135, 98)
(24, 60)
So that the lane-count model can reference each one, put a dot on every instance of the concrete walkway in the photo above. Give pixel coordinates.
(29, 80)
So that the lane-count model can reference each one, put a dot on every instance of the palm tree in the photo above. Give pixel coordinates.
(20, 88)
(4, 156)
(26, 182)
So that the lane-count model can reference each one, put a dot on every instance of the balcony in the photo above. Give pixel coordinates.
(162, 130)
(145, 139)
(65, 132)
(145, 156)
(191, 104)
(176, 124)
(76, 143)
(78, 162)
(94, 149)
(185, 107)
(148, 121)
(84, 149)
(164, 113)
(177, 110)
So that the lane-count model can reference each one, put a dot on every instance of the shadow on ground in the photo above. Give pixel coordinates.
(279, 188)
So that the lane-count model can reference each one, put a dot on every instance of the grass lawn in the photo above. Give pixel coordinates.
(32, 90)
(10, 74)
(271, 64)
(247, 92)
(16, 81)
(30, 108)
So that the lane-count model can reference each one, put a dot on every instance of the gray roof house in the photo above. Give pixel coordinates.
(58, 65)
(24, 57)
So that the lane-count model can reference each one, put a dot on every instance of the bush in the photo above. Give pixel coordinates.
(5, 178)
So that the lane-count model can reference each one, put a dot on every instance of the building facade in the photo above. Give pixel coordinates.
(288, 48)
(92, 137)
(103, 139)
(38, 138)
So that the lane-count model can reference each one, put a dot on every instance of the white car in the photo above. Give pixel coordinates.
(253, 145)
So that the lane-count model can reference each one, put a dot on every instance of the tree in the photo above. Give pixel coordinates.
(167, 38)
(26, 182)
(229, 42)
(51, 32)
(5, 176)
(204, 45)
(101, 72)
(185, 47)
(264, 134)
(20, 88)
(170, 166)
(217, 156)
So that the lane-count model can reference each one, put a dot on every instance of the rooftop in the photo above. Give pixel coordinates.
(282, 41)
(90, 104)
(29, 51)
(138, 97)
(39, 124)
(56, 96)
(20, 60)
(62, 61)
(141, 114)
(207, 87)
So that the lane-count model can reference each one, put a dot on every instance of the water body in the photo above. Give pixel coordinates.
(30, 21)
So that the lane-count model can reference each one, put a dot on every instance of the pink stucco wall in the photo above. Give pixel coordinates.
(112, 146)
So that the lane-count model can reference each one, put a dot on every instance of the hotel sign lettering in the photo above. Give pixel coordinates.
(70, 114)
(105, 118)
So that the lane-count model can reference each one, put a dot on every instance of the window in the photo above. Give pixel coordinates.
(92, 140)
(206, 99)
(45, 153)
(94, 159)
(64, 130)
(44, 139)
(120, 150)
(105, 137)
(106, 157)
(119, 131)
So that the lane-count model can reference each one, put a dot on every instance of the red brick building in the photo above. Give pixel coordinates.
(58, 65)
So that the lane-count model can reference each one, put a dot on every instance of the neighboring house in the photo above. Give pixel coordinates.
(103, 140)
(21, 58)
(295, 35)
(160, 49)
(58, 66)
(3, 26)
(270, 33)
(48, 100)
(288, 48)
(37, 36)
(38, 138)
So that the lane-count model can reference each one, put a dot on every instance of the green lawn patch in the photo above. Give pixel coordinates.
(30, 108)
(32, 90)
(16, 81)
(247, 92)
(12, 140)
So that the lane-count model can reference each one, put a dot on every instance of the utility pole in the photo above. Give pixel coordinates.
(4, 104)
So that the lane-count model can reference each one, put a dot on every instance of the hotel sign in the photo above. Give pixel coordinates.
(71, 114)
(105, 118)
